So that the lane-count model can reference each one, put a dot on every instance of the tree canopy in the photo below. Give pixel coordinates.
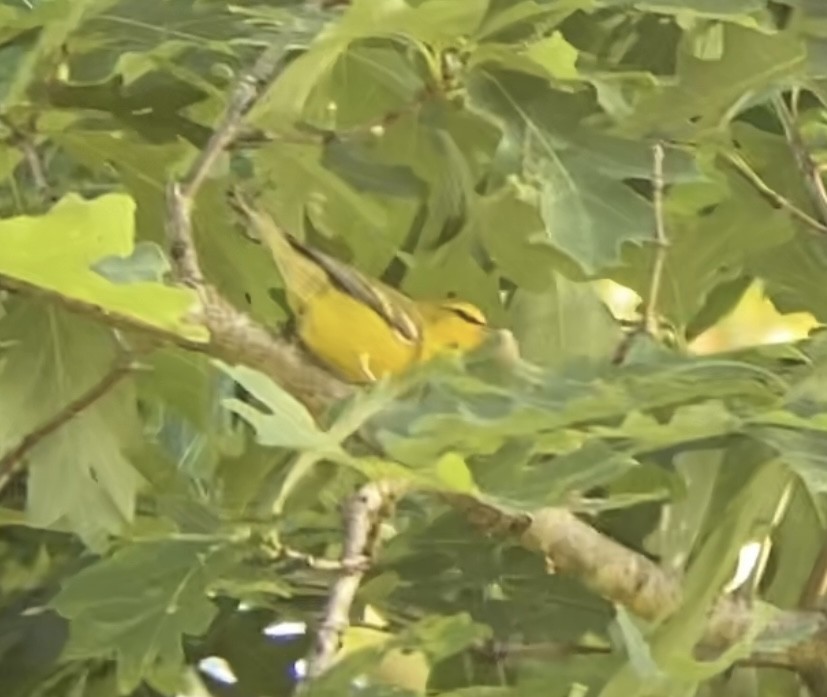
(180, 482)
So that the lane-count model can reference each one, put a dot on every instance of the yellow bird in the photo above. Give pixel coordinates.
(358, 326)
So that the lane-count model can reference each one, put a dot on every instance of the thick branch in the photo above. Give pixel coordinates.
(625, 577)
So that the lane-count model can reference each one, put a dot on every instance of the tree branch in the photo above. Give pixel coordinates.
(246, 93)
(364, 513)
(620, 575)
(812, 176)
(776, 199)
(234, 339)
(26, 145)
(235, 336)
(650, 309)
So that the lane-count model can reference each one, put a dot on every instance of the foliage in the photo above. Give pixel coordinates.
(498, 150)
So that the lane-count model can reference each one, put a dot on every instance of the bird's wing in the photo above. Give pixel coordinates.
(396, 309)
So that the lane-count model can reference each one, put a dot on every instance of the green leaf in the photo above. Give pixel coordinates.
(80, 477)
(564, 323)
(797, 541)
(433, 22)
(745, 518)
(694, 422)
(802, 450)
(146, 263)
(470, 415)
(304, 189)
(556, 55)
(752, 62)
(440, 637)
(286, 424)
(452, 473)
(585, 214)
(792, 274)
(156, 594)
(735, 10)
(142, 167)
(132, 40)
(59, 21)
(708, 248)
(678, 536)
(557, 480)
(588, 216)
(56, 250)
(511, 230)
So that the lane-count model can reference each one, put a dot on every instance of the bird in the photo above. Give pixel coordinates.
(358, 327)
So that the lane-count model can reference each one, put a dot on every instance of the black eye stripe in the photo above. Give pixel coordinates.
(467, 316)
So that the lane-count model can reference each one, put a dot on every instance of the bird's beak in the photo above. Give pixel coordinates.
(507, 349)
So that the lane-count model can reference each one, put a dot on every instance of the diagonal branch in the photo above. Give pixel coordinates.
(13, 461)
(813, 182)
(776, 199)
(233, 334)
(243, 97)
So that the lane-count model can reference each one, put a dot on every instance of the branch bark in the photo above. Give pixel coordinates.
(620, 575)
(364, 513)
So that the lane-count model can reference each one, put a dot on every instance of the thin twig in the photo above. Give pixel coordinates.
(649, 323)
(776, 199)
(809, 169)
(12, 462)
(650, 309)
(242, 98)
(364, 514)
(26, 145)
(309, 560)
(38, 171)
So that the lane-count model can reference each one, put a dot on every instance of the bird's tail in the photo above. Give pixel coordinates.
(302, 276)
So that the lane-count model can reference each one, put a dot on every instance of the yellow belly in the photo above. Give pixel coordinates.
(352, 339)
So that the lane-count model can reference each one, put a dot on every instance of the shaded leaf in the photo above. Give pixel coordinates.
(80, 475)
(155, 596)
